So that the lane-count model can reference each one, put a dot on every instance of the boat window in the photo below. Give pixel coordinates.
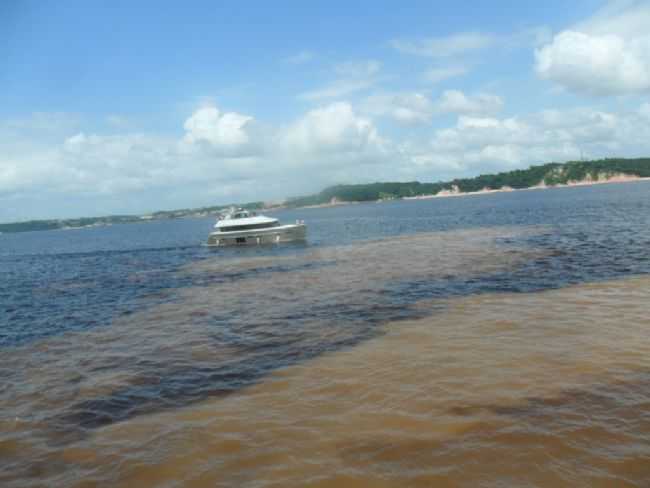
(232, 228)
(242, 215)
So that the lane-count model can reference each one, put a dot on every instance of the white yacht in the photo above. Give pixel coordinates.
(241, 227)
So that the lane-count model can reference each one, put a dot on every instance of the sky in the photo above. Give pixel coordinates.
(130, 107)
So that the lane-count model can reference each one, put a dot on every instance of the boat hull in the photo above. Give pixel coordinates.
(272, 235)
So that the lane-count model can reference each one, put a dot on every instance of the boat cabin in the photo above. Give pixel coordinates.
(241, 220)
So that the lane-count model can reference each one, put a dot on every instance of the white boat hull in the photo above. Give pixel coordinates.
(254, 237)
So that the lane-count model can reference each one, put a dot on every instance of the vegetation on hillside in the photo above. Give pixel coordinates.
(549, 174)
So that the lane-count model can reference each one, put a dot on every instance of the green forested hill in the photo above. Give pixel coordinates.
(550, 174)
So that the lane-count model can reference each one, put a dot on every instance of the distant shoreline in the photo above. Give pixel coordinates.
(486, 191)
(549, 175)
(572, 184)
(102, 222)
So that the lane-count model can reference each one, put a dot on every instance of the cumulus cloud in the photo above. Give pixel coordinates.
(415, 108)
(608, 54)
(596, 65)
(480, 144)
(455, 101)
(85, 164)
(210, 125)
(218, 157)
(330, 129)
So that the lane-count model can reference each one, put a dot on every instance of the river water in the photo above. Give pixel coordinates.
(490, 340)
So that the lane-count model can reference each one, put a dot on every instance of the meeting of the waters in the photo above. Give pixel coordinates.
(488, 341)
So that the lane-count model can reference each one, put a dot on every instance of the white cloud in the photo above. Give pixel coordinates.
(329, 144)
(455, 101)
(210, 125)
(416, 108)
(608, 54)
(483, 144)
(86, 164)
(352, 77)
(596, 65)
(444, 47)
(300, 58)
(579, 120)
(436, 75)
(333, 128)
(405, 108)
(94, 164)
(218, 157)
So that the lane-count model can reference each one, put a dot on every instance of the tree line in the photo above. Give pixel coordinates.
(549, 174)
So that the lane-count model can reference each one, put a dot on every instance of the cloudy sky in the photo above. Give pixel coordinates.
(129, 107)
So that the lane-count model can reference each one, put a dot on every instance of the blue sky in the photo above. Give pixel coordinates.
(128, 107)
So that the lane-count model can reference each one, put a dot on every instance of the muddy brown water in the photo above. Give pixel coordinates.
(330, 380)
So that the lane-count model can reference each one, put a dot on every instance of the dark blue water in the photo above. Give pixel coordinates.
(57, 281)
